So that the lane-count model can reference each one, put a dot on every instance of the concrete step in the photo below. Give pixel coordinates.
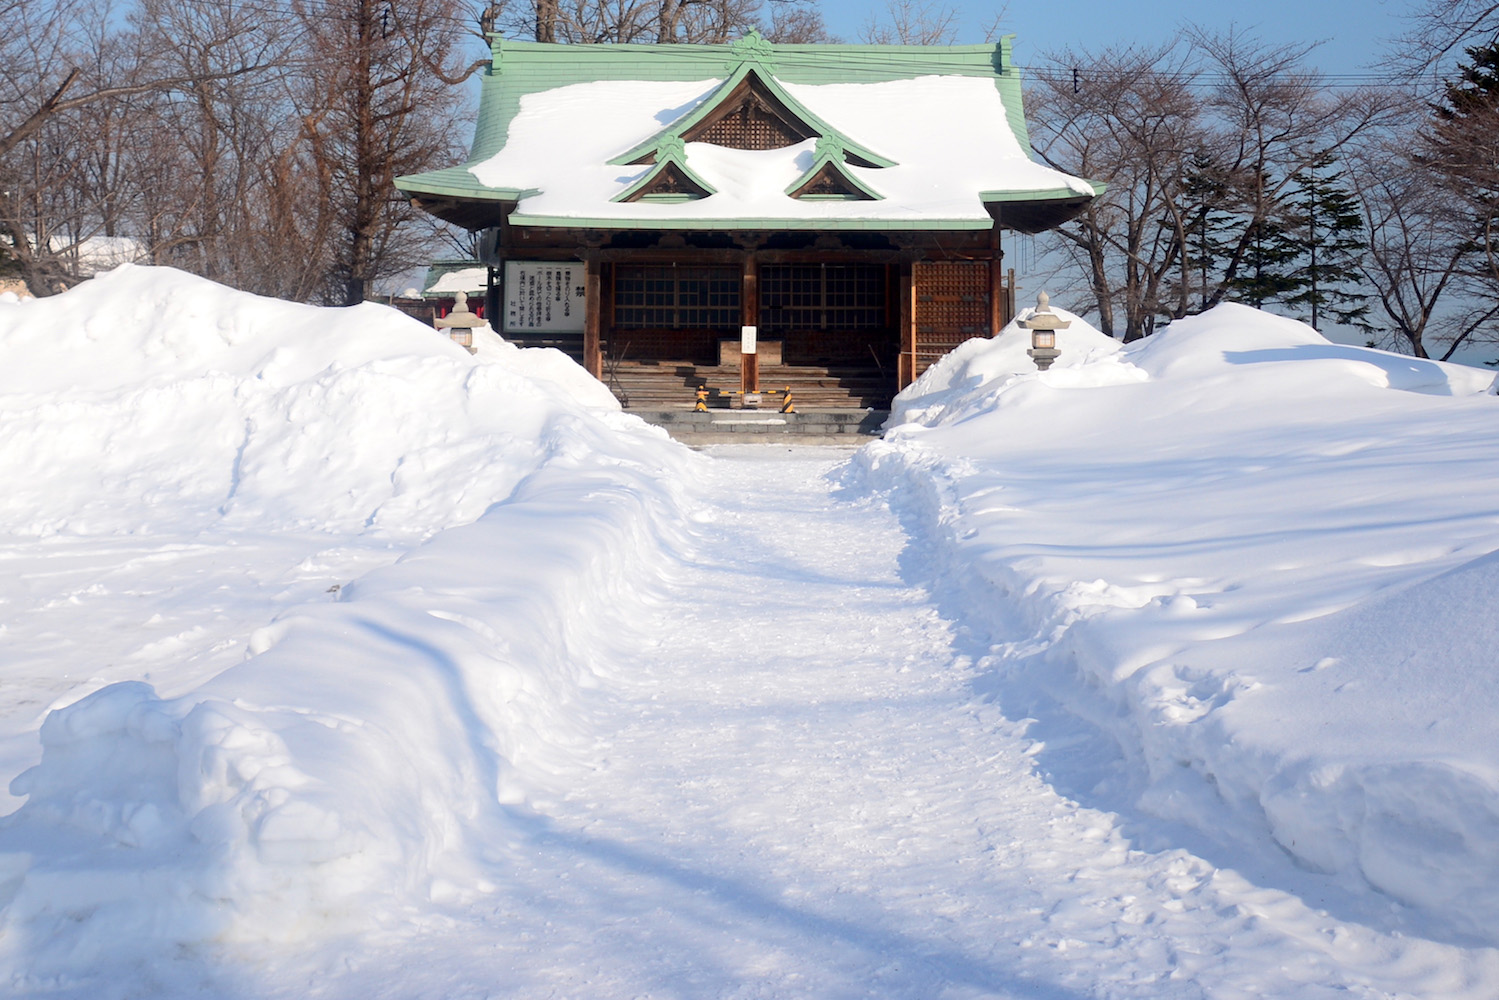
(839, 426)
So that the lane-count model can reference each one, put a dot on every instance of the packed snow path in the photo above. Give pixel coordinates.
(796, 793)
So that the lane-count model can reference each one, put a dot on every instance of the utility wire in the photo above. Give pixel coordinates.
(1062, 74)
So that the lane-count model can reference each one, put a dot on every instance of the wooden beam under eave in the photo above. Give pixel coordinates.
(470, 214)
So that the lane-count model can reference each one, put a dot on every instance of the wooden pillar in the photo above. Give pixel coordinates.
(494, 299)
(997, 313)
(906, 368)
(593, 295)
(997, 317)
(749, 312)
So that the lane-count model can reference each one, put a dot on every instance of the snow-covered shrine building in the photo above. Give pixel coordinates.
(839, 206)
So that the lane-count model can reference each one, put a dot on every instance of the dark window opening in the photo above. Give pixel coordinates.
(667, 297)
(822, 297)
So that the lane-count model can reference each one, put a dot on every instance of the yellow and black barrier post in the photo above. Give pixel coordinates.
(786, 405)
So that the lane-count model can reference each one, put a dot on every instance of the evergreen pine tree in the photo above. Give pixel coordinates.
(1465, 146)
(1206, 247)
(1330, 229)
(1464, 151)
(1270, 271)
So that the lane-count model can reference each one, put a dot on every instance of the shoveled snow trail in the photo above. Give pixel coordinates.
(796, 792)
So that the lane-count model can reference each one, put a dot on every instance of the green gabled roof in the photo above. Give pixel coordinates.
(669, 160)
(458, 182)
(1044, 194)
(829, 155)
(520, 68)
(745, 71)
(528, 196)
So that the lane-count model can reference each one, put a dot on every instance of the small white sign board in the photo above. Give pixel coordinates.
(747, 339)
(544, 295)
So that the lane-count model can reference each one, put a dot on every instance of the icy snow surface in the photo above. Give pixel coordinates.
(1159, 675)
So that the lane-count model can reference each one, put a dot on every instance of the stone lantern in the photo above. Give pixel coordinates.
(460, 323)
(1043, 326)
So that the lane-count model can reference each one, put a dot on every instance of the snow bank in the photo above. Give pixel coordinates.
(370, 752)
(149, 397)
(1259, 561)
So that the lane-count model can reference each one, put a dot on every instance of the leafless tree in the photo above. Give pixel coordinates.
(77, 82)
(797, 25)
(1276, 120)
(912, 22)
(1439, 29)
(1211, 130)
(369, 108)
(1420, 249)
(206, 142)
(661, 21)
(1133, 121)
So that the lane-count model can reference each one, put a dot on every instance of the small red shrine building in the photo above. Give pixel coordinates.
(829, 203)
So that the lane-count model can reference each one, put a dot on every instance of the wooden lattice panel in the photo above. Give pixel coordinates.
(952, 305)
(750, 127)
(750, 118)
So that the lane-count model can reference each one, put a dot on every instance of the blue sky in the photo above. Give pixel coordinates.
(1356, 36)
(1355, 33)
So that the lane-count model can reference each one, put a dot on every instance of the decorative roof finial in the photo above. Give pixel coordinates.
(671, 147)
(751, 48)
(829, 147)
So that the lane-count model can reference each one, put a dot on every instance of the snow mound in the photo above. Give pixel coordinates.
(364, 759)
(970, 378)
(1260, 563)
(1235, 335)
(1417, 816)
(370, 755)
(149, 396)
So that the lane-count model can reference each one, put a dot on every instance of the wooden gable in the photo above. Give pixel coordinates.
(831, 183)
(668, 183)
(751, 117)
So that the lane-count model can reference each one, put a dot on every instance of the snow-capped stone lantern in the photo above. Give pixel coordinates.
(460, 323)
(1043, 326)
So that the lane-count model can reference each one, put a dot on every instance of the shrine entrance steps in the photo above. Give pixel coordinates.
(833, 404)
(665, 385)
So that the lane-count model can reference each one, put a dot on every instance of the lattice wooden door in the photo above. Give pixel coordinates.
(952, 305)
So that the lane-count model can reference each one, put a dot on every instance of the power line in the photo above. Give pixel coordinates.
(1053, 72)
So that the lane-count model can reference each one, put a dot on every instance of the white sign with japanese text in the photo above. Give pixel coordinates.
(544, 295)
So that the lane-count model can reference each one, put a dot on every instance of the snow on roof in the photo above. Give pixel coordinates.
(948, 135)
(644, 136)
(463, 279)
(101, 253)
